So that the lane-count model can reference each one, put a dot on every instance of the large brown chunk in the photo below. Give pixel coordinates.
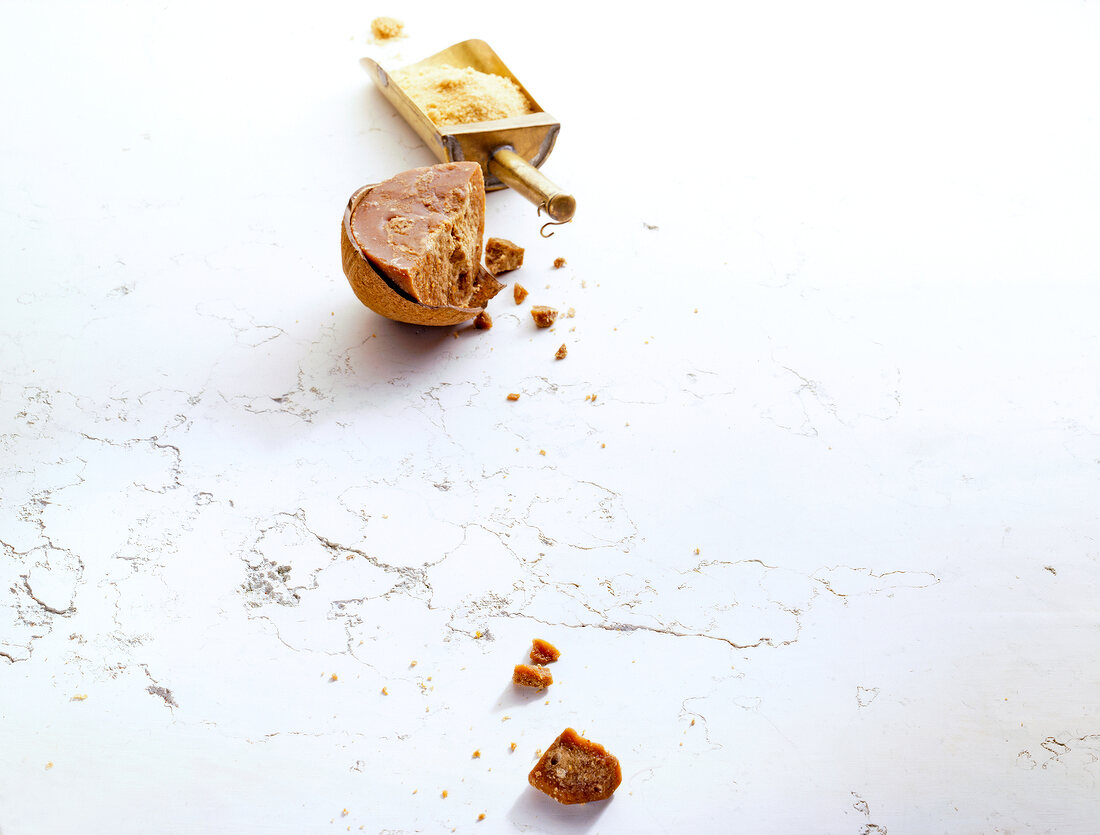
(423, 231)
(527, 676)
(501, 255)
(575, 770)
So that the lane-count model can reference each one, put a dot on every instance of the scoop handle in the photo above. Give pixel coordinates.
(518, 174)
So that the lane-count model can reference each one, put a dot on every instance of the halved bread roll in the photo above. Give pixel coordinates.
(412, 245)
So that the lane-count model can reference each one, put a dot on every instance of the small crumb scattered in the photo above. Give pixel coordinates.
(559, 262)
(570, 313)
(412, 663)
(513, 396)
(698, 552)
(511, 747)
(79, 697)
(443, 794)
(49, 765)
(481, 817)
(544, 316)
(542, 452)
(483, 321)
(505, 718)
(519, 292)
(693, 723)
(385, 692)
(386, 28)
(334, 677)
(344, 813)
(477, 754)
(561, 353)
(477, 634)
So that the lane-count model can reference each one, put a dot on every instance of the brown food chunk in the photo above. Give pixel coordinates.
(575, 770)
(384, 28)
(513, 396)
(544, 652)
(562, 353)
(519, 292)
(483, 321)
(527, 676)
(559, 263)
(422, 231)
(544, 316)
(501, 255)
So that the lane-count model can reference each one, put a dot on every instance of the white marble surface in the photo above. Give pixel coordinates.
(821, 554)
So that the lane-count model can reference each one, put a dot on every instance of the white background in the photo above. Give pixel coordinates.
(821, 556)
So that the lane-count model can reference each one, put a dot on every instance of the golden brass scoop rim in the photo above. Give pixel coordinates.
(509, 151)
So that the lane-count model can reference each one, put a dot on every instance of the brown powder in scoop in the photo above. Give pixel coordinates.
(458, 95)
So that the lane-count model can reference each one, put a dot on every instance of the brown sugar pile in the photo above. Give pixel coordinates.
(527, 676)
(519, 292)
(544, 652)
(459, 95)
(544, 316)
(575, 770)
(501, 255)
(385, 28)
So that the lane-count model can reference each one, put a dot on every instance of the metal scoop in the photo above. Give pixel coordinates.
(509, 150)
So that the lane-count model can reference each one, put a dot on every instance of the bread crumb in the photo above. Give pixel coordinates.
(477, 754)
(477, 634)
(460, 95)
(570, 313)
(544, 316)
(49, 765)
(559, 262)
(344, 813)
(693, 723)
(385, 692)
(544, 652)
(527, 676)
(334, 677)
(79, 697)
(697, 552)
(385, 28)
(511, 747)
(481, 817)
(575, 770)
(561, 353)
(412, 663)
(505, 718)
(483, 321)
(443, 794)
(519, 292)
(501, 256)
(542, 452)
